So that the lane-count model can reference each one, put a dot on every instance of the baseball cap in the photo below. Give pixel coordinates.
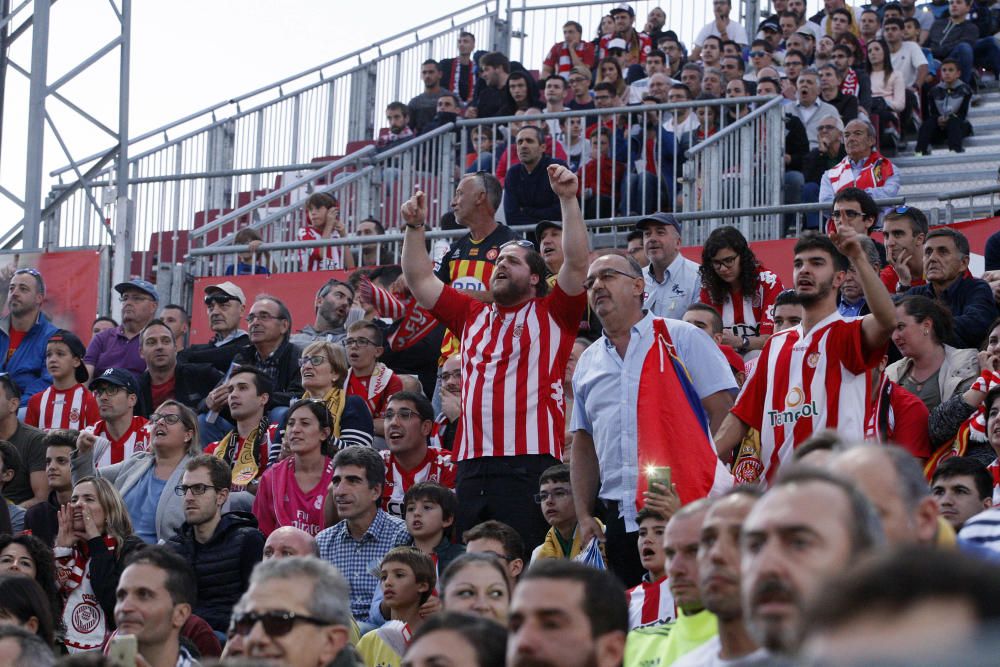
(546, 224)
(623, 8)
(807, 32)
(659, 219)
(228, 288)
(139, 284)
(617, 43)
(118, 377)
(581, 70)
(76, 348)
(769, 24)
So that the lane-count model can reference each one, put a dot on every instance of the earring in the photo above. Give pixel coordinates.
(926, 332)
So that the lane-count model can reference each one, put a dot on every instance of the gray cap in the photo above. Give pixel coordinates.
(659, 219)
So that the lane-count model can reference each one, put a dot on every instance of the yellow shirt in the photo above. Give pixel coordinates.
(661, 645)
(384, 646)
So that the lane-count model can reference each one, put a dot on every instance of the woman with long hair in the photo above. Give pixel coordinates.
(23, 603)
(605, 27)
(609, 71)
(292, 491)
(324, 370)
(146, 480)
(888, 93)
(739, 288)
(94, 538)
(478, 584)
(29, 556)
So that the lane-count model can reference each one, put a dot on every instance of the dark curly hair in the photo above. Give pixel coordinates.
(720, 239)
(45, 570)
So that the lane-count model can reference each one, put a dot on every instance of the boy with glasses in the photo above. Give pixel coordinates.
(368, 377)
(222, 547)
(555, 499)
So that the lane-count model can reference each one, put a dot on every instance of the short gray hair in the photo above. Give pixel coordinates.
(490, 185)
(838, 121)
(34, 652)
(868, 126)
(331, 594)
(871, 252)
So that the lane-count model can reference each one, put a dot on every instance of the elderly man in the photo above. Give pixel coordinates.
(808, 107)
(225, 305)
(24, 333)
(270, 349)
(864, 167)
(672, 280)
(120, 347)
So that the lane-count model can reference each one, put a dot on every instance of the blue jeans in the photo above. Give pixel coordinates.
(963, 54)
(987, 54)
(810, 195)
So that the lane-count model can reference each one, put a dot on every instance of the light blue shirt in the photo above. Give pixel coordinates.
(606, 391)
(888, 190)
(142, 501)
(680, 288)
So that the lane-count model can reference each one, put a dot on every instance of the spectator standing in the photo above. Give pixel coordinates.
(424, 106)
(121, 433)
(365, 532)
(24, 334)
(498, 465)
(333, 305)
(222, 548)
(120, 347)
(637, 44)
(165, 378)
(67, 403)
(528, 197)
(807, 399)
(613, 447)
(970, 300)
(947, 111)
(461, 75)
(722, 27)
(28, 486)
(672, 280)
(863, 168)
(569, 53)
(225, 305)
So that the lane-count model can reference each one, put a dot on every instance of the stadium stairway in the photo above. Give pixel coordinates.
(925, 177)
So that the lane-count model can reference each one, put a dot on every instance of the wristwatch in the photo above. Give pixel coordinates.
(746, 345)
(415, 226)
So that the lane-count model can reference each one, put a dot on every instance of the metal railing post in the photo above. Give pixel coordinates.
(361, 118)
(220, 149)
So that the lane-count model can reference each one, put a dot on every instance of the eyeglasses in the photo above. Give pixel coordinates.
(106, 390)
(276, 623)
(847, 214)
(263, 317)
(457, 375)
(604, 275)
(725, 262)
(313, 360)
(220, 299)
(169, 419)
(520, 243)
(125, 298)
(402, 413)
(758, 54)
(196, 489)
(360, 342)
(555, 494)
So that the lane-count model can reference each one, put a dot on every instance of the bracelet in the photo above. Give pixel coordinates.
(420, 226)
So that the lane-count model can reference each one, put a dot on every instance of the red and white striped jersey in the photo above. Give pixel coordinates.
(753, 314)
(994, 470)
(134, 440)
(805, 383)
(74, 408)
(319, 259)
(437, 466)
(650, 603)
(513, 363)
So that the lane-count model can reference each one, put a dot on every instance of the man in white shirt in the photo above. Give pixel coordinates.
(722, 27)
(672, 280)
(908, 58)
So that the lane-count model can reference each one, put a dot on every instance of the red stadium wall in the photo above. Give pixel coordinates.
(72, 280)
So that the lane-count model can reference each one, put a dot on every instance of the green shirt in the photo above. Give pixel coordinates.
(661, 645)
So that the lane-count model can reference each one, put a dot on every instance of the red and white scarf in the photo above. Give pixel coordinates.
(874, 173)
(378, 382)
(415, 322)
(86, 622)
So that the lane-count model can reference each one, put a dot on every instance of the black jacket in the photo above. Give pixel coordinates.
(972, 307)
(288, 383)
(106, 569)
(207, 353)
(222, 566)
(815, 163)
(42, 519)
(193, 382)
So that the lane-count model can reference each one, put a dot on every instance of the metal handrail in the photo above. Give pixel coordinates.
(278, 84)
(970, 192)
(771, 101)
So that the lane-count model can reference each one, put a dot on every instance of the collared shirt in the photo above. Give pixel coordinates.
(270, 364)
(680, 288)
(358, 560)
(113, 349)
(850, 309)
(606, 391)
(237, 333)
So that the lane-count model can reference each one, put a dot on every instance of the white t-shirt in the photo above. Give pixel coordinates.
(736, 32)
(906, 61)
(707, 655)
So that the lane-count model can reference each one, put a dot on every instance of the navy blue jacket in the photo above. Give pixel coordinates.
(972, 307)
(27, 366)
(527, 197)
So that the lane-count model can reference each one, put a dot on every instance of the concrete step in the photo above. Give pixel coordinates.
(975, 153)
(960, 179)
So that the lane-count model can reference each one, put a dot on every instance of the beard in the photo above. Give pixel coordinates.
(512, 292)
(329, 314)
(822, 291)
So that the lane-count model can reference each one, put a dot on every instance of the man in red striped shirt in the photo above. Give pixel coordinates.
(815, 375)
(514, 354)
(120, 433)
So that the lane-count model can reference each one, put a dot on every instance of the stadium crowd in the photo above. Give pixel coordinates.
(531, 451)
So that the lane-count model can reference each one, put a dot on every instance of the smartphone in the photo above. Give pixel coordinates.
(122, 650)
(658, 475)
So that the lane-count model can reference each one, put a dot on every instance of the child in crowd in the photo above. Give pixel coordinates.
(10, 463)
(324, 223)
(578, 149)
(67, 403)
(368, 377)
(600, 176)
(407, 577)
(483, 155)
(651, 603)
(246, 264)
(555, 495)
(947, 108)
(42, 519)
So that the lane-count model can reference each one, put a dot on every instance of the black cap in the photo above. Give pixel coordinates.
(118, 377)
(769, 24)
(543, 225)
(76, 348)
(659, 219)
(622, 8)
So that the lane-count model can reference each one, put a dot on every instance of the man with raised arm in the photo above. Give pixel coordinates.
(514, 354)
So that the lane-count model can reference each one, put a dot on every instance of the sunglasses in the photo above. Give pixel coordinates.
(220, 299)
(758, 54)
(520, 243)
(276, 623)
